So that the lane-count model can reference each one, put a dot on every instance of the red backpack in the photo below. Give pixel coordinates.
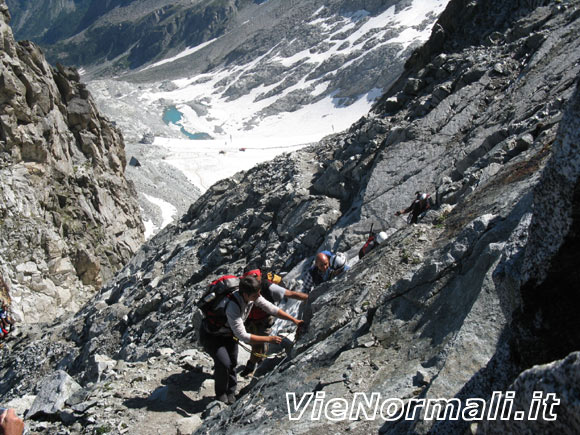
(368, 246)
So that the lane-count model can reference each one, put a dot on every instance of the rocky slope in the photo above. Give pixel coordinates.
(277, 58)
(485, 117)
(69, 219)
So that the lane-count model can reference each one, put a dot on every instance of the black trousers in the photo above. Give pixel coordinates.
(417, 210)
(224, 351)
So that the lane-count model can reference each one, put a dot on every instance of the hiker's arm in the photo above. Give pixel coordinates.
(280, 293)
(285, 316)
(266, 306)
(295, 295)
(277, 292)
(406, 210)
(410, 208)
(255, 339)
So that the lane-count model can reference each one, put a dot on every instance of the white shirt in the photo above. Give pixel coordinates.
(237, 314)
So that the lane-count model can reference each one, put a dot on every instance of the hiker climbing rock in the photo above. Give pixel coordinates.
(372, 242)
(326, 266)
(225, 312)
(418, 207)
(6, 321)
(259, 322)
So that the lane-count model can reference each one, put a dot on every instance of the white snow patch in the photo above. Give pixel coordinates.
(319, 10)
(205, 162)
(184, 53)
(150, 228)
(168, 211)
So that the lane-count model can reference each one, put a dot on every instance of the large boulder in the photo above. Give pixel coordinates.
(54, 392)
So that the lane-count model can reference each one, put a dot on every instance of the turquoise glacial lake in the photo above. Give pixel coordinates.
(174, 116)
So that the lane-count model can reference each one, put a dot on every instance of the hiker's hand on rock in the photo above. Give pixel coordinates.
(299, 323)
(10, 424)
(275, 339)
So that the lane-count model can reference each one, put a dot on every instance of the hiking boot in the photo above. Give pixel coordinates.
(223, 398)
(231, 398)
(248, 370)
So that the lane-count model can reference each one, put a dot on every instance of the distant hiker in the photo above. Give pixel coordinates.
(326, 266)
(6, 322)
(418, 207)
(225, 321)
(259, 322)
(372, 242)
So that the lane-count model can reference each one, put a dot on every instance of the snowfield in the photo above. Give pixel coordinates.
(250, 113)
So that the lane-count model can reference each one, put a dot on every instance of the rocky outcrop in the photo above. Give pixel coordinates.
(555, 410)
(56, 390)
(547, 318)
(442, 309)
(69, 219)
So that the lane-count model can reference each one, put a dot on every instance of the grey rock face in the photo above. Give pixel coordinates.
(548, 312)
(547, 393)
(55, 391)
(69, 218)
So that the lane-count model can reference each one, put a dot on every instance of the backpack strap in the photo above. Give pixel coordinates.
(231, 297)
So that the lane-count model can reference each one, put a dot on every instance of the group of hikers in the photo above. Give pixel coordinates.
(243, 309)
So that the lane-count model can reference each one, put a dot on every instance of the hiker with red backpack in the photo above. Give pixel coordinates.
(259, 322)
(372, 242)
(6, 322)
(418, 207)
(226, 305)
